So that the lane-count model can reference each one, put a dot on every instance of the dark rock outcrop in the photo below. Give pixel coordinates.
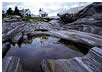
(88, 19)
(5, 48)
(68, 18)
(89, 10)
(91, 24)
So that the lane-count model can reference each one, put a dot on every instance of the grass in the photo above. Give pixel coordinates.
(25, 17)
(5, 15)
(35, 18)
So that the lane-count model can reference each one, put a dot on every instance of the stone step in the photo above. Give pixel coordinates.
(11, 64)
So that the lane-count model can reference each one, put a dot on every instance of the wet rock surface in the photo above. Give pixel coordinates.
(32, 41)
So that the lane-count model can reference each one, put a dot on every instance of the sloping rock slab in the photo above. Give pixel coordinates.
(80, 37)
(91, 24)
(12, 33)
(87, 39)
(11, 64)
(92, 62)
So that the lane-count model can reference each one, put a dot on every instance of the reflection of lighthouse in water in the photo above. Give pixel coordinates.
(43, 40)
(42, 13)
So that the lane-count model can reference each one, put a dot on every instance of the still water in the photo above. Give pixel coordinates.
(33, 51)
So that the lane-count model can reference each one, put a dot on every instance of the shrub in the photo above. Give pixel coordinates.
(4, 15)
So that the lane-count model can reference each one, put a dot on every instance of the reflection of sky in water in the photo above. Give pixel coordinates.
(31, 56)
(52, 7)
(41, 42)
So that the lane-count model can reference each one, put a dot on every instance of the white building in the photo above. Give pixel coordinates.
(25, 12)
(42, 13)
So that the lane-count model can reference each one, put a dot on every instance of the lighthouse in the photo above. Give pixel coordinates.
(42, 13)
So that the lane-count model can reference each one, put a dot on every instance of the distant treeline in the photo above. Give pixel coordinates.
(15, 12)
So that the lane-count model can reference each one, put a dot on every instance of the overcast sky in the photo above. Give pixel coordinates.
(52, 7)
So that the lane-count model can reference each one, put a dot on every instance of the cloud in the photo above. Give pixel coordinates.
(50, 6)
(6, 5)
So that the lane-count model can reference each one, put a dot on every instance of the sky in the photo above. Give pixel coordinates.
(51, 7)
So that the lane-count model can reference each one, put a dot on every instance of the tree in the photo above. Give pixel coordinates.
(9, 11)
(16, 11)
(3, 11)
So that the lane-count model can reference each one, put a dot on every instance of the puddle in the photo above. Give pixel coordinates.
(33, 50)
(40, 41)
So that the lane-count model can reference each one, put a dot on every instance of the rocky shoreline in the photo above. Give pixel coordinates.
(82, 31)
